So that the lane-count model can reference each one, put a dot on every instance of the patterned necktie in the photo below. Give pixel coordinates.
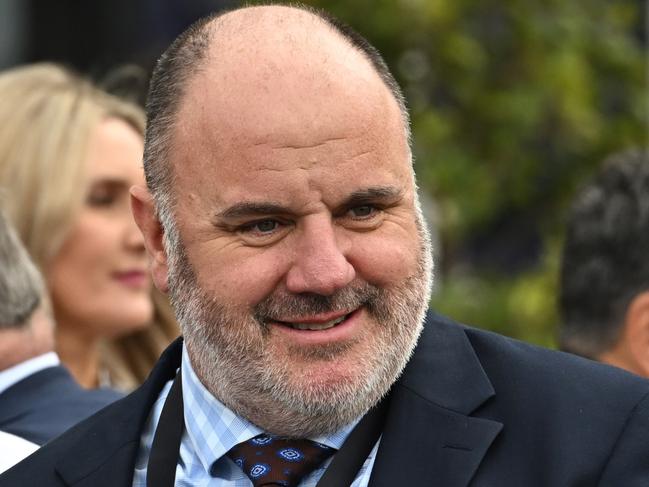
(278, 461)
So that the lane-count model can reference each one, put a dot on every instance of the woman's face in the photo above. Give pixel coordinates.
(99, 281)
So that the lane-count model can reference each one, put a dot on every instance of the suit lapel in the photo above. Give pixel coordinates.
(429, 437)
(104, 450)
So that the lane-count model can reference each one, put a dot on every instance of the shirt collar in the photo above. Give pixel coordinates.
(15, 374)
(213, 429)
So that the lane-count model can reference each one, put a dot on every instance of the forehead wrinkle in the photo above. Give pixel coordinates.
(302, 167)
(301, 146)
(309, 160)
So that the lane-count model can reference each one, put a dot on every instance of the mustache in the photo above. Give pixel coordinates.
(285, 305)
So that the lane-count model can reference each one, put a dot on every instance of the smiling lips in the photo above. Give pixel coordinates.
(314, 324)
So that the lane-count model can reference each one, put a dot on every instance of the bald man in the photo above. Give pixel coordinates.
(281, 217)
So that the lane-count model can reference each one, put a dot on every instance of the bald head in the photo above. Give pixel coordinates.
(247, 60)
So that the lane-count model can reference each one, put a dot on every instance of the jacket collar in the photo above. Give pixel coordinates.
(429, 434)
(104, 448)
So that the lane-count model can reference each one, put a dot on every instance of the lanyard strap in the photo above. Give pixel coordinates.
(163, 459)
(161, 469)
(354, 451)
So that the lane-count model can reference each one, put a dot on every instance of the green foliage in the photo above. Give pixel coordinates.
(520, 305)
(513, 103)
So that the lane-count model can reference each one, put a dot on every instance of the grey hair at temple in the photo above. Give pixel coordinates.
(21, 285)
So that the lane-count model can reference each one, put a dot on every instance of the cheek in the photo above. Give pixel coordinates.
(86, 297)
(75, 297)
(240, 278)
(80, 260)
(384, 258)
(82, 267)
(76, 291)
(78, 276)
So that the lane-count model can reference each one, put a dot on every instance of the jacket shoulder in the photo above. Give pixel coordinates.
(510, 362)
(38, 469)
(47, 403)
(104, 445)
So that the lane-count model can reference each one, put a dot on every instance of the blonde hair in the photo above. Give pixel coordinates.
(47, 115)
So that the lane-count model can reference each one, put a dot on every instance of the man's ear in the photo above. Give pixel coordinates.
(145, 216)
(636, 333)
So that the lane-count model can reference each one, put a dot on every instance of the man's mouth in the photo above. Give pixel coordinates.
(314, 324)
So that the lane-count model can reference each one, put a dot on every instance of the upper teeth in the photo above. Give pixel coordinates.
(317, 326)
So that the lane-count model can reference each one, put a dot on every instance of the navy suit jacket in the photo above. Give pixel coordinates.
(471, 408)
(47, 403)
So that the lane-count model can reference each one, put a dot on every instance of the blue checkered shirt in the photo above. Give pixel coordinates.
(211, 429)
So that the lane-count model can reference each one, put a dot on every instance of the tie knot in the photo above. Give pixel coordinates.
(278, 461)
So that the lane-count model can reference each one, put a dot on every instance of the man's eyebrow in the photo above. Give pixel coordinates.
(378, 194)
(247, 209)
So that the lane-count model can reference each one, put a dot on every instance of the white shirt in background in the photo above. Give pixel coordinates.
(13, 449)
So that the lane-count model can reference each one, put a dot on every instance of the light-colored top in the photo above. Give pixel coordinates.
(211, 429)
(13, 449)
(15, 374)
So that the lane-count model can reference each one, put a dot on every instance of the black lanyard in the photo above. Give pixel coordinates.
(161, 469)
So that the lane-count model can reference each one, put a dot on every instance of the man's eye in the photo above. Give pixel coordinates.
(261, 227)
(266, 226)
(363, 211)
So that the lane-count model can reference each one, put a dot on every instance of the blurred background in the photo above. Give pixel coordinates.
(514, 104)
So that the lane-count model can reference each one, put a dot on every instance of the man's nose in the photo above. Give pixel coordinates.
(320, 265)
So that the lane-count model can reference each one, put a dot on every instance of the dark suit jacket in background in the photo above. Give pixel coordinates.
(47, 403)
(472, 408)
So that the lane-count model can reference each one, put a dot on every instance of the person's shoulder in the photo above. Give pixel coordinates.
(59, 383)
(49, 402)
(105, 442)
(40, 468)
(579, 418)
(512, 363)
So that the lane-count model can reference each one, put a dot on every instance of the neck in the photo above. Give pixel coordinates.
(30, 340)
(17, 346)
(80, 354)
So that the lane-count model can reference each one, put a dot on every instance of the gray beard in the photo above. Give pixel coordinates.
(227, 347)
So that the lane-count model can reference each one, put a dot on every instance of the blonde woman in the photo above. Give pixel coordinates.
(68, 155)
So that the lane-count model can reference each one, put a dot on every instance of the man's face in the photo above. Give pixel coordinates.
(304, 270)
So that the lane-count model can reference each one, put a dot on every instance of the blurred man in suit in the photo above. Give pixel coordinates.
(281, 216)
(38, 397)
(604, 292)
